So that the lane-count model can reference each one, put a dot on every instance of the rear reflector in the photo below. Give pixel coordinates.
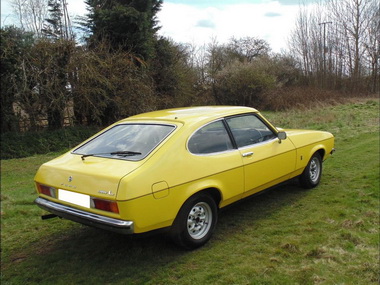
(47, 190)
(105, 205)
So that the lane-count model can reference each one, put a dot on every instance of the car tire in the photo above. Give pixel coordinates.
(311, 175)
(195, 222)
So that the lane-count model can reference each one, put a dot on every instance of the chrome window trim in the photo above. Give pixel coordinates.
(257, 144)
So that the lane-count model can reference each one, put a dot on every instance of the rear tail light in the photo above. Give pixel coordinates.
(47, 190)
(105, 205)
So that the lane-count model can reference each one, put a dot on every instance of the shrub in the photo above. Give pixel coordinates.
(16, 145)
(242, 84)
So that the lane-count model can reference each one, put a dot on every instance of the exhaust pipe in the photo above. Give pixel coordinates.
(48, 216)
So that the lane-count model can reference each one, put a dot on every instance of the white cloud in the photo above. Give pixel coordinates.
(76, 8)
(187, 23)
(268, 20)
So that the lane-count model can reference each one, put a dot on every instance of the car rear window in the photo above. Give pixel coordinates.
(126, 141)
(211, 138)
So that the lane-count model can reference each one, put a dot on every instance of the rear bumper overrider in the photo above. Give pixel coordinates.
(86, 218)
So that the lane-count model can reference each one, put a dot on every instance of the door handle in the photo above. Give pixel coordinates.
(247, 154)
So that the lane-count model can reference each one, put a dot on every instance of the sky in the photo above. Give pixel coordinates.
(198, 22)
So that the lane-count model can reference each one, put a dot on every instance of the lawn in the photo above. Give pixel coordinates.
(327, 235)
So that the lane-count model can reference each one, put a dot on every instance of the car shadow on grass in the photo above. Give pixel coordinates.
(81, 254)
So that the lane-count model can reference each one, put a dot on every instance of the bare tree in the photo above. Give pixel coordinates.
(372, 44)
(309, 43)
(248, 48)
(31, 14)
(338, 44)
(299, 42)
(352, 16)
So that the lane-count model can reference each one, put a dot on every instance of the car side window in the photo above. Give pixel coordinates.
(249, 129)
(211, 138)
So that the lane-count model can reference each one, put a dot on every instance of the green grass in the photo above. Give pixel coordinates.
(328, 235)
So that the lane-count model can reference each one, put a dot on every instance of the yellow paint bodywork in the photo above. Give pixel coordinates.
(151, 192)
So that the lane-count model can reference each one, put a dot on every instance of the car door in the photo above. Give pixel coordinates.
(267, 160)
(218, 162)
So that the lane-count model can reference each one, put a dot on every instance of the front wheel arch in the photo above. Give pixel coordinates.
(312, 173)
(321, 153)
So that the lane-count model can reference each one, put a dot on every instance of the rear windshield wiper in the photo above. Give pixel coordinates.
(123, 153)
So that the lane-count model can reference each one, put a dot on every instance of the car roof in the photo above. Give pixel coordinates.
(192, 114)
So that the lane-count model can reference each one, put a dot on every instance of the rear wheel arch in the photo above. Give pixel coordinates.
(205, 204)
(214, 193)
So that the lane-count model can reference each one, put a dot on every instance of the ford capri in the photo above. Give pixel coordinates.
(174, 169)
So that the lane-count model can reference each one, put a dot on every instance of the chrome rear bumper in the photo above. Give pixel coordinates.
(86, 218)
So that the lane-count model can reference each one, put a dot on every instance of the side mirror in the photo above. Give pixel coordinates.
(281, 136)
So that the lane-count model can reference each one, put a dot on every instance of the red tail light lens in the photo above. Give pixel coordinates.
(105, 205)
(46, 190)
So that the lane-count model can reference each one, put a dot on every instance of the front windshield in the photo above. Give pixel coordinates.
(126, 141)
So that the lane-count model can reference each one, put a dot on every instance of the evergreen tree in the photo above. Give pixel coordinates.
(128, 24)
(53, 27)
(58, 25)
(58, 52)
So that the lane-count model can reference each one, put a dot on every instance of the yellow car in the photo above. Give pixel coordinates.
(174, 169)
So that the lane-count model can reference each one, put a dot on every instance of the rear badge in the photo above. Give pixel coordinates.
(67, 185)
(106, 192)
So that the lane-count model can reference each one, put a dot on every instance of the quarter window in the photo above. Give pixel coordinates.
(248, 130)
(211, 138)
